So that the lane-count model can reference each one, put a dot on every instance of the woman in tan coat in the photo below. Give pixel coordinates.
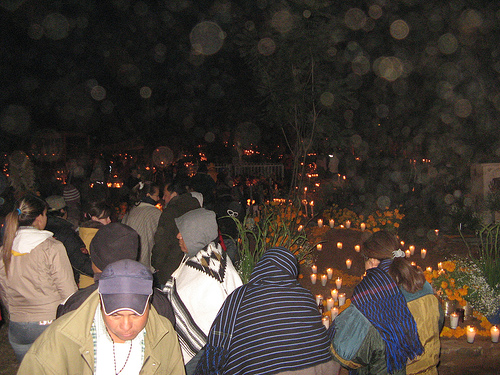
(35, 273)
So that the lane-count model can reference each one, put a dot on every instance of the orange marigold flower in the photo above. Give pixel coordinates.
(444, 285)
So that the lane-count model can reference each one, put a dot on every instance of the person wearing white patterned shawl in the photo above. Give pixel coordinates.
(200, 285)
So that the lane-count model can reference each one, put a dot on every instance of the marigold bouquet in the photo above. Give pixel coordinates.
(378, 220)
(463, 280)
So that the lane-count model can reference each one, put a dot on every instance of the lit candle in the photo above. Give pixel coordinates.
(338, 282)
(313, 278)
(494, 333)
(329, 303)
(320, 223)
(319, 298)
(339, 245)
(300, 228)
(429, 269)
(314, 269)
(453, 320)
(324, 279)
(334, 311)
(407, 253)
(335, 294)
(413, 264)
(329, 273)
(319, 247)
(402, 243)
(312, 209)
(363, 227)
(440, 265)
(357, 248)
(348, 224)
(471, 333)
(341, 299)
(326, 321)
(436, 231)
(412, 249)
(423, 253)
(348, 264)
(332, 223)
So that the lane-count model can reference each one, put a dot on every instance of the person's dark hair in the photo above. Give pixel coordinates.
(178, 185)
(148, 187)
(99, 209)
(26, 210)
(380, 245)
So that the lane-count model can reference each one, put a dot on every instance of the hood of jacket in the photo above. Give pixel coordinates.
(198, 228)
(27, 238)
(277, 265)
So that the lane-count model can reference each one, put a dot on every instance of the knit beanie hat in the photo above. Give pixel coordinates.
(198, 228)
(113, 242)
(71, 194)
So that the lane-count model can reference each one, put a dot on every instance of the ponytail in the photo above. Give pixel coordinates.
(27, 210)
(411, 278)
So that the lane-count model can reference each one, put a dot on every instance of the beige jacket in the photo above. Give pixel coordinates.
(67, 347)
(40, 276)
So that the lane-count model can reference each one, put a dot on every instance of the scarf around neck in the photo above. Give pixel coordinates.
(380, 300)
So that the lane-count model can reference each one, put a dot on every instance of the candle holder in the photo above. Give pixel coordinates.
(324, 280)
(471, 334)
(453, 320)
(313, 278)
(335, 294)
(329, 273)
(338, 282)
(341, 299)
(494, 332)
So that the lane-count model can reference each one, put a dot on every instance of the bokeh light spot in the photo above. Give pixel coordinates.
(399, 29)
(35, 31)
(355, 19)
(282, 21)
(145, 92)
(207, 38)
(98, 93)
(447, 44)
(384, 202)
(375, 11)
(266, 46)
(56, 26)
(327, 99)
(463, 108)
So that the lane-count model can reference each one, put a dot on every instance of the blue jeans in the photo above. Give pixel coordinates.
(22, 335)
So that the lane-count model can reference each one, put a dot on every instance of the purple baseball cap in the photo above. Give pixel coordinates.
(125, 285)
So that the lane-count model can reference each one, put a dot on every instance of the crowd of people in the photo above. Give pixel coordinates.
(155, 289)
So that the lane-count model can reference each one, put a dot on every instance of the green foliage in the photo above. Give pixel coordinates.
(489, 255)
(277, 225)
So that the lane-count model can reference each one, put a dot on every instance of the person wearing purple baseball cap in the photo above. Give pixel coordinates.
(115, 331)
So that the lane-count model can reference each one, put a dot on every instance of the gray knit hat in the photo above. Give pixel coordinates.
(198, 228)
(114, 242)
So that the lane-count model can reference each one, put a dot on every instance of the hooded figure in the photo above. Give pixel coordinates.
(268, 326)
(205, 277)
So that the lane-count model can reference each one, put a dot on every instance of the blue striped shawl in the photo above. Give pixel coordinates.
(267, 326)
(380, 300)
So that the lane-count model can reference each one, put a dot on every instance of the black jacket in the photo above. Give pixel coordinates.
(63, 231)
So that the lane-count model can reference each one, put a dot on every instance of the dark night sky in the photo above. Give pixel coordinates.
(422, 76)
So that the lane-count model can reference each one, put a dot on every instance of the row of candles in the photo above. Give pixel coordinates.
(347, 224)
(471, 334)
(328, 276)
(330, 306)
